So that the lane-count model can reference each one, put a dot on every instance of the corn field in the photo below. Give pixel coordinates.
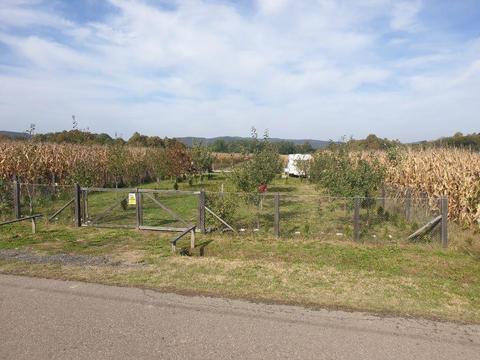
(90, 165)
(435, 172)
(438, 172)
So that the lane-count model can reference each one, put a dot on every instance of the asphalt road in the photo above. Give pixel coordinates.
(49, 319)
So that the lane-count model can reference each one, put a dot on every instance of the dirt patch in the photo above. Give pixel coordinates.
(63, 259)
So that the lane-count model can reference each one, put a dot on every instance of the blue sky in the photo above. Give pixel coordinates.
(406, 69)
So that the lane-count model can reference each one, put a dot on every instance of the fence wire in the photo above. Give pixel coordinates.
(169, 209)
(379, 219)
(46, 200)
(6, 201)
(392, 217)
(108, 208)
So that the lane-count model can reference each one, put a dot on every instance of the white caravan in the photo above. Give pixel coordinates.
(292, 169)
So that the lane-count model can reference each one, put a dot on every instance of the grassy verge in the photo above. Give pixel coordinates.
(410, 280)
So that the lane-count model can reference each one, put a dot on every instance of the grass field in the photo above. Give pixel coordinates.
(410, 280)
(311, 264)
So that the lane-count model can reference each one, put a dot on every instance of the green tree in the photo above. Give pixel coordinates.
(343, 175)
(202, 158)
(262, 166)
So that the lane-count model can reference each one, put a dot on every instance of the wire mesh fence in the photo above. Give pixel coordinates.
(109, 208)
(169, 209)
(393, 217)
(6, 201)
(35, 199)
(365, 219)
(239, 212)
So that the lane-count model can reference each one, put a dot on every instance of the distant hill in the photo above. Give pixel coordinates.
(14, 134)
(189, 140)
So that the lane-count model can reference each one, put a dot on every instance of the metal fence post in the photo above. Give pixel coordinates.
(201, 211)
(444, 223)
(16, 198)
(78, 205)
(276, 215)
(356, 219)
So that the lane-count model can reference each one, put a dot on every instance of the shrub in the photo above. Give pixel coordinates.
(260, 168)
(347, 176)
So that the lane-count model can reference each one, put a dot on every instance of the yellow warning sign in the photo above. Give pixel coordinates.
(132, 199)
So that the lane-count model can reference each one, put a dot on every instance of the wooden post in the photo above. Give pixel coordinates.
(408, 204)
(85, 205)
(444, 223)
(34, 226)
(78, 205)
(16, 198)
(140, 198)
(356, 219)
(192, 239)
(383, 197)
(82, 199)
(201, 211)
(276, 215)
(139, 208)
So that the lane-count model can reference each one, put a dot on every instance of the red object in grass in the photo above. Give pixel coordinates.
(262, 188)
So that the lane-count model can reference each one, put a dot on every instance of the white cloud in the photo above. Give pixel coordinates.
(404, 15)
(207, 68)
(272, 6)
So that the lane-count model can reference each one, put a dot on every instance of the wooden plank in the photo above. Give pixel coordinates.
(162, 228)
(171, 212)
(220, 219)
(61, 209)
(97, 189)
(425, 228)
(191, 230)
(172, 192)
(21, 219)
(110, 226)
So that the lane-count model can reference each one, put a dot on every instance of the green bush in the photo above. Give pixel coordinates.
(261, 167)
(346, 176)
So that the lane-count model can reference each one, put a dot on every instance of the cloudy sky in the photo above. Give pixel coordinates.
(301, 68)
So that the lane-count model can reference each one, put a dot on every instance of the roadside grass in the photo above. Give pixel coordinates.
(406, 279)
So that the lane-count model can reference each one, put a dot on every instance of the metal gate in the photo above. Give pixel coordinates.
(146, 209)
